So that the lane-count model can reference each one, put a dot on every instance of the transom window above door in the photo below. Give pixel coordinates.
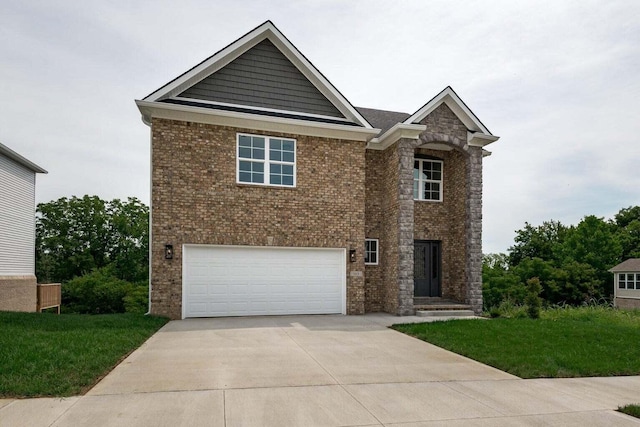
(427, 180)
(264, 160)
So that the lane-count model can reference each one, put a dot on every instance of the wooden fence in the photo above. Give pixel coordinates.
(49, 296)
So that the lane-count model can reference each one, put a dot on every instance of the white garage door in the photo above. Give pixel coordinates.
(251, 281)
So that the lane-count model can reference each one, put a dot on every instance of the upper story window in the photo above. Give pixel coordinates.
(371, 251)
(265, 160)
(427, 180)
(628, 281)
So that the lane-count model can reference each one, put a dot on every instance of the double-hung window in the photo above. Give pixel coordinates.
(371, 251)
(427, 180)
(264, 160)
(628, 281)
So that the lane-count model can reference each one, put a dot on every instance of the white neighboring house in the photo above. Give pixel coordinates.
(17, 231)
(626, 284)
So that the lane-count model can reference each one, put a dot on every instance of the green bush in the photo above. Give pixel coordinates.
(137, 300)
(508, 309)
(533, 300)
(100, 292)
(499, 283)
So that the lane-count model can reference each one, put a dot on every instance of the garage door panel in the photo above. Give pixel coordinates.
(240, 281)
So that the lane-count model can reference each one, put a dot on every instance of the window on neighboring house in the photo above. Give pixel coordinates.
(628, 281)
(266, 160)
(427, 180)
(371, 251)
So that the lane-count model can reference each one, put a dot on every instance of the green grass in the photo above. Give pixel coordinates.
(43, 354)
(633, 410)
(571, 342)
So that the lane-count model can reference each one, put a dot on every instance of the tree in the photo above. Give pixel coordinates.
(78, 235)
(499, 283)
(130, 245)
(596, 243)
(537, 242)
(628, 223)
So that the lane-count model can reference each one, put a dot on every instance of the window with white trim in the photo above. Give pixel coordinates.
(628, 281)
(427, 180)
(264, 160)
(371, 251)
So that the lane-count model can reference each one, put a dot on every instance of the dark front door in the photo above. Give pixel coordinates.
(427, 259)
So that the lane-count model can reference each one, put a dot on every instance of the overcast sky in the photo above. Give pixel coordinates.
(558, 81)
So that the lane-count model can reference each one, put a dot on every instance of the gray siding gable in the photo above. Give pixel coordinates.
(263, 77)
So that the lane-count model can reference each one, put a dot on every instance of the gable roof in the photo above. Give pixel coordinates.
(8, 152)
(632, 264)
(450, 97)
(279, 65)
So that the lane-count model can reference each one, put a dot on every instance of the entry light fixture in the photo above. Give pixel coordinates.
(168, 251)
(352, 255)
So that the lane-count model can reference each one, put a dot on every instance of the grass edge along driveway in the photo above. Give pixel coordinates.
(44, 354)
(569, 342)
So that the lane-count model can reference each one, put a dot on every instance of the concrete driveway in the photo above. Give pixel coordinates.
(318, 371)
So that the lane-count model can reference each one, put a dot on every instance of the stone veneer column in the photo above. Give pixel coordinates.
(405, 226)
(474, 229)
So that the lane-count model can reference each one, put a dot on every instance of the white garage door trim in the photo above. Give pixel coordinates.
(256, 293)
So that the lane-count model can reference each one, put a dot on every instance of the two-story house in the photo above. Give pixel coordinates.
(272, 194)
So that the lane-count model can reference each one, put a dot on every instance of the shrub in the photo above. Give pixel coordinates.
(508, 309)
(137, 300)
(100, 292)
(533, 300)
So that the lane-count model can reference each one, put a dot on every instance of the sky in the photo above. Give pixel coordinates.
(558, 81)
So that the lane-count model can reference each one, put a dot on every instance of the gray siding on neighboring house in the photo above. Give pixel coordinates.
(263, 77)
(17, 219)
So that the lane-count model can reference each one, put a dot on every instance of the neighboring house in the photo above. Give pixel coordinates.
(626, 286)
(17, 231)
(272, 194)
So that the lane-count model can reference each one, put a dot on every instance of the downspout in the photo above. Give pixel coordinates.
(150, 209)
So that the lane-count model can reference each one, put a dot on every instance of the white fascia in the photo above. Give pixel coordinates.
(477, 139)
(22, 161)
(243, 44)
(453, 101)
(266, 110)
(258, 122)
(398, 131)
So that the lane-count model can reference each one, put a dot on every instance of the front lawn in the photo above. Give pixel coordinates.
(572, 342)
(44, 354)
(633, 410)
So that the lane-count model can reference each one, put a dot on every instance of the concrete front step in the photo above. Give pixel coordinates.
(445, 313)
(441, 306)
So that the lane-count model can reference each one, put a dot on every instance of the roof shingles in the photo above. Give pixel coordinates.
(632, 264)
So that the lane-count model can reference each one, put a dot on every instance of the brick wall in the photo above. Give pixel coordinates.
(450, 219)
(382, 223)
(445, 221)
(18, 293)
(195, 199)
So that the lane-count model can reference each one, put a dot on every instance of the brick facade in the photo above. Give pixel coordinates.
(18, 293)
(397, 220)
(382, 211)
(445, 221)
(344, 194)
(195, 199)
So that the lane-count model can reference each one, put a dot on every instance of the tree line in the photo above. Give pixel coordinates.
(571, 262)
(98, 250)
